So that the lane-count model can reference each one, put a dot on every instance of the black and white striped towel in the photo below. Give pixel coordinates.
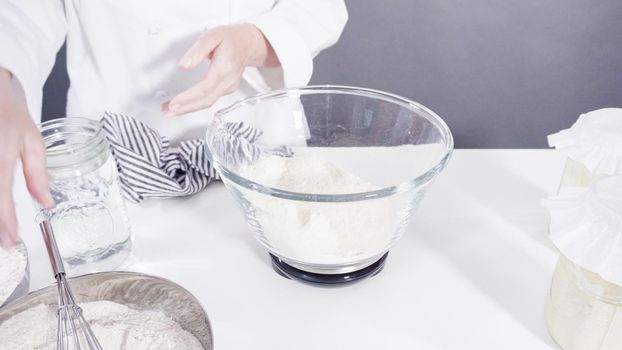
(150, 168)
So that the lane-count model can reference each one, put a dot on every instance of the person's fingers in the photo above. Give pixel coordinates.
(201, 49)
(8, 220)
(206, 101)
(35, 169)
(215, 74)
(164, 107)
(199, 91)
(222, 77)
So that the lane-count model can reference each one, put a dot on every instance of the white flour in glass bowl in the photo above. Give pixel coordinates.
(340, 232)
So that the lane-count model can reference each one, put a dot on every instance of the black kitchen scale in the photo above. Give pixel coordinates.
(327, 280)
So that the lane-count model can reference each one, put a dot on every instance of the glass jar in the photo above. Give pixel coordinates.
(583, 311)
(89, 218)
(576, 174)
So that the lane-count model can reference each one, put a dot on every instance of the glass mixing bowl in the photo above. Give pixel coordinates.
(328, 176)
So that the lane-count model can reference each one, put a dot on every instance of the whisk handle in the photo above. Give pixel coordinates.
(52, 247)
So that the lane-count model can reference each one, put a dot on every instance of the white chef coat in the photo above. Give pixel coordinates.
(122, 54)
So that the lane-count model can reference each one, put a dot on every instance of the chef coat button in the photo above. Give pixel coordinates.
(155, 28)
(161, 96)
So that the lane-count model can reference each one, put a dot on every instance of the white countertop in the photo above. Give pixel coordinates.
(471, 272)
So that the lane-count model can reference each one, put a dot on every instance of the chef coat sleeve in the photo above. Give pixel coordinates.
(297, 30)
(31, 33)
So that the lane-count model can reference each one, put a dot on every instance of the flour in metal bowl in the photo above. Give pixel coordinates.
(115, 325)
(13, 263)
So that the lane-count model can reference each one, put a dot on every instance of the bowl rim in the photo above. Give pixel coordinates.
(406, 186)
(17, 302)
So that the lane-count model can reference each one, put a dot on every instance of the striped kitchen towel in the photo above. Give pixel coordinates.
(150, 168)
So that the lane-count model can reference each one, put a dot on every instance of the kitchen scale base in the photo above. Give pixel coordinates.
(327, 280)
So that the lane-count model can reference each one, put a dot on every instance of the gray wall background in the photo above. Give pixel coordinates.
(502, 73)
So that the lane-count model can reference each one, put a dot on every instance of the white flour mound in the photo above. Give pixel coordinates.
(116, 327)
(12, 267)
(319, 232)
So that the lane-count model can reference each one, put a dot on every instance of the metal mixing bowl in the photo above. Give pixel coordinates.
(135, 290)
(24, 284)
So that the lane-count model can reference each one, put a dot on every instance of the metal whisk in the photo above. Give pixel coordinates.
(73, 331)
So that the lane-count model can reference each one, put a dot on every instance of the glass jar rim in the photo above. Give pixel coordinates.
(55, 130)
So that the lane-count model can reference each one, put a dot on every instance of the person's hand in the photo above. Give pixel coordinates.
(19, 138)
(231, 49)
